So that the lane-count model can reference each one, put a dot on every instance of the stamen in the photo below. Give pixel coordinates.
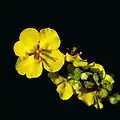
(38, 47)
(45, 62)
(30, 54)
(52, 58)
(73, 50)
(36, 56)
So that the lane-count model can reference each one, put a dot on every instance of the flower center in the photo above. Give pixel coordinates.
(36, 52)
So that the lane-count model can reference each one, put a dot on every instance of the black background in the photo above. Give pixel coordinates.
(93, 27)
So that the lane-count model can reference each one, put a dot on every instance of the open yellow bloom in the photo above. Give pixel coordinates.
(76, 60)
(37, 50)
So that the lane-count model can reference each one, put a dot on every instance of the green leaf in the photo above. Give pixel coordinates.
(96, 78)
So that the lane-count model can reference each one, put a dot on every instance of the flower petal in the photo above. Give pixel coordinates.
(77, 60)
(19, 49)
(53, 61)
(98, 67)
(49, 39)
(87, 98)
(109, 79)
(35, 70)
(65, 91)
(69, 58)
(80, 63)
(100, 105)
(29, 66)
(80, 96)
(29, 37)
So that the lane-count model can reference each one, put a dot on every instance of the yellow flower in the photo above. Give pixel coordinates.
(65, 90)
(76, 60)
(64, 87)
(37, 50)
(90, 99)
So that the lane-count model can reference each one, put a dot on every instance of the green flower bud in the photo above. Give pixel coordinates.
(107, 85)
(70, 76)
(76, 76)
(118, 97)
(77, 73)
(84, 76)
(113, 100)
(70, 68)
(77, 85)
(96, 78)
(89, 84)
(103, 93)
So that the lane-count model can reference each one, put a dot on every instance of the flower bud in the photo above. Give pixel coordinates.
(84, 76)
(103, 93)
(113, 100)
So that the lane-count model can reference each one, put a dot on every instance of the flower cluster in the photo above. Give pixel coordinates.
(88, 81)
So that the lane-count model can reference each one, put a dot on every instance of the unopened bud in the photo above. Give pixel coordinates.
(113, 100)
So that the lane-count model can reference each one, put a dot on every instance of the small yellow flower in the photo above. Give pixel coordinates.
(76, 60)
(65, 90)
(64, 87)
(88, 98)
(37, 49)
